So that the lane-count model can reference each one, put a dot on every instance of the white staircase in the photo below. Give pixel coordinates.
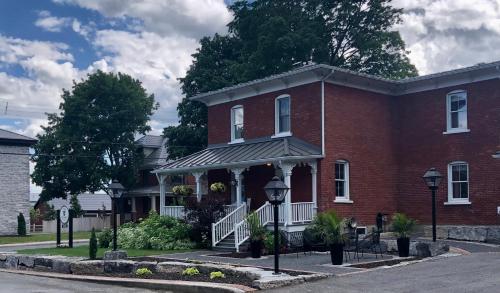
(225, 226)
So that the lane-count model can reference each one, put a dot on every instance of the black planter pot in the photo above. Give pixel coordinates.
(337, 254)
(256, 248)
(403, 247)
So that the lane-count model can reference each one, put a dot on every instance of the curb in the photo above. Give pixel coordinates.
(40, 243)
(152, 284)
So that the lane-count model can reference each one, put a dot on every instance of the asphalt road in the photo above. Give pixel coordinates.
(23, 283)
(478, 272)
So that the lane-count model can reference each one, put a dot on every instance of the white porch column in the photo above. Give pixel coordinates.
(134, 210)
(287, 173)
(314, 173)
(153, 203)
(239, 184)
(161, 180)
(197, 177)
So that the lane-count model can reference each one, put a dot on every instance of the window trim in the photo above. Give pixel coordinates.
(347, 193)
(277, 133)
(449, 129)
(457, 201)
(233, 139)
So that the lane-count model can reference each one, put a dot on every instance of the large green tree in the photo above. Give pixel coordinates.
(91, 140)
(272, 36)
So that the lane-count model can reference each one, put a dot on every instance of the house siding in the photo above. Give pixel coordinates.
(14, 187)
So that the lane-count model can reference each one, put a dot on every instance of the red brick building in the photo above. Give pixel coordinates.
(354, 143)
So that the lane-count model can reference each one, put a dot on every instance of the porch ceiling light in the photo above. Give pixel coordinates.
(115, 189)
(432, 178)
(276, 190)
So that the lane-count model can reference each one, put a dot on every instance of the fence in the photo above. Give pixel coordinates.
(80, 224)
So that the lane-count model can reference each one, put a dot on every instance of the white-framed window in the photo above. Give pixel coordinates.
(282, 116)
(456, 112)
(458, 183)
(342, 181)
(237, 123)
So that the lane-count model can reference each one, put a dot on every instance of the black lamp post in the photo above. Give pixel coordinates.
(276, 191)
(433, 178)
(115, 191)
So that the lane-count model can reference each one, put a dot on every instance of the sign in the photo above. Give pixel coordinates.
(64, 214)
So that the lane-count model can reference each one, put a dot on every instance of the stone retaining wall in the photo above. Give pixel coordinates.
(470, 233)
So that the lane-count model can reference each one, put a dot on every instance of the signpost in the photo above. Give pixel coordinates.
(65, 217)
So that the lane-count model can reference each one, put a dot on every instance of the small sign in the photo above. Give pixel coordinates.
(64, 214)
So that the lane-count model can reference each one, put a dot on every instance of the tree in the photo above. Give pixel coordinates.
(21, 225)
(271, 36)
(91, 140)
(75, 206)
(93, 245)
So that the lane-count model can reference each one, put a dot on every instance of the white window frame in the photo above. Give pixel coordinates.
(346, 197)
(277, 132)
(233, 139)
(449, 129)
(457, 201)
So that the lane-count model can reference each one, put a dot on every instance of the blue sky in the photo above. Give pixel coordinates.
(46, 44)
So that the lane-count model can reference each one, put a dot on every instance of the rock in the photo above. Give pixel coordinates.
(119, 266)
(422, 250)
(43, 262)
(115, 254)
(493, 235)
(11, 261)
(62, 265)
(391, 244)
(27, 261)
(468, 233)
(429, 249)
(438, 248)
(3, 256)
(89, 267)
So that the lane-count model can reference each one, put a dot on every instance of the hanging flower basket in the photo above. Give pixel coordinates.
(218, 187)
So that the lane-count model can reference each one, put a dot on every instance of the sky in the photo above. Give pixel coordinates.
(47, 44)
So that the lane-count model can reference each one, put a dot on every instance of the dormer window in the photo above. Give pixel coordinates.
(456, 112)
(237, 124)
(282, 115)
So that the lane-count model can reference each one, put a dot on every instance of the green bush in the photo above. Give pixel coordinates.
(217, 275)
(190, 272)
(143, 272)
(402, 225)
(93, 245)
(21, 225)
(156, 232)
(104, 238)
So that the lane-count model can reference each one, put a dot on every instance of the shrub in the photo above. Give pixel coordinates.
(257, 230)
(93, 245)
(34, 215)
(190, 272)
(330, 227)
(201, 215)
(217, 275)
(269, 241)
(143, 272)
(105, 237)
(21, 225)
(402, 225)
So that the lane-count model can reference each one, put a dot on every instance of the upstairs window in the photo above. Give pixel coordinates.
(457, 111)
(458, 182)
(282, 123)
(237, 124)
(341, 180)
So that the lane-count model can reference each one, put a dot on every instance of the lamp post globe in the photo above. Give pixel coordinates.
(276, 191)
(432, 179)
(115, 191)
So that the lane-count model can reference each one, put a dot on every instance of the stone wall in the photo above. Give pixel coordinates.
(469, 233)
(14, 187)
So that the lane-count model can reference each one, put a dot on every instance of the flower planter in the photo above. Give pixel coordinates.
(337, 254)
(256, 248)
(403, 247)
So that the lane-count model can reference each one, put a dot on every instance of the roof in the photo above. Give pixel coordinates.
(244, 154)
(158, 157)
(147, 190)
(88, 202)
(9, 137)
(153, 141)
(336, 75)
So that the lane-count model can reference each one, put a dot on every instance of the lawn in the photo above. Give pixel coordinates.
(83, 251)
(37, 237)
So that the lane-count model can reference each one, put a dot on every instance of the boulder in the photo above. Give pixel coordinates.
(429, 249)
(115, 254)
(43, 262)
(27, 261)
(62, 265)
(89, 267)
(11, 261)
(493, 235)
(119, 266)
(468, 233)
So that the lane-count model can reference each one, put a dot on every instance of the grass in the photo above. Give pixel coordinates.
(38, 237)
(83, 251)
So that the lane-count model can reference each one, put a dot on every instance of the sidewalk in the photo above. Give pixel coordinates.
(12, 247)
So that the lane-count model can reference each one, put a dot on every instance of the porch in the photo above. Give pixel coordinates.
(245, 169)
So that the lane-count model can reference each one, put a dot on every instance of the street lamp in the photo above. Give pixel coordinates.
(276, 191)
(433, 178)
(115, 191)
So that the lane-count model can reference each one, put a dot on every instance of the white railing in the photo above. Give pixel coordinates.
(229, 208)
(225, 226)
(242, 229)
(302, 212)
(177, 212)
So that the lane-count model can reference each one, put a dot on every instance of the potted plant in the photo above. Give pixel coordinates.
(403, 226)
(181, 191)
(257, 234)
(330, 227)
(218, 187)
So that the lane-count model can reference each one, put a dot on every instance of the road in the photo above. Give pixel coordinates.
(477, 272)
(23, 283)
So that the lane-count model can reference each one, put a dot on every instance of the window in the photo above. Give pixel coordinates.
(458, 182)
(341, 181)
(282, 122)
(237, 124)
(456, 111)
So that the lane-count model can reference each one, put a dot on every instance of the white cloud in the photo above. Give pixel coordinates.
(51, 23)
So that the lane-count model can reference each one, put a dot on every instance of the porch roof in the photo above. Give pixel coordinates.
(245, 154)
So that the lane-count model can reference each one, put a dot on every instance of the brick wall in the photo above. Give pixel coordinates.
(259, 115)
(14, 187)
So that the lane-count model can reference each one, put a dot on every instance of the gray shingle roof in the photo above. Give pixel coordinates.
(245, 154)
(10, 137)
(153, 141)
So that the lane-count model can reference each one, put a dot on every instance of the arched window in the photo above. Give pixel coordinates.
(458, 183)
(237, 124)
(282, 121)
